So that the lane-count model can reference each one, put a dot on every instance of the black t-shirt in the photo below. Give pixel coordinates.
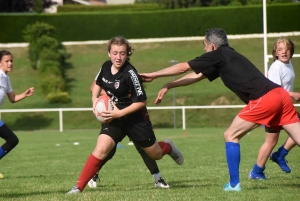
(236, 72)
(125, 87)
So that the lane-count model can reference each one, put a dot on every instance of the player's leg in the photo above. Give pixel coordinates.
(104, 145)
(11, 140)
(152, 167)
(232, 135)
(294, 139)
(93, 181)
(279, 156)
(158, 149)
(290, 119)
(109, 136)
(257, 171)
(142, 134)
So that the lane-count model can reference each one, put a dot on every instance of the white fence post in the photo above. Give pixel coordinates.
(60, 120)
(183, 118)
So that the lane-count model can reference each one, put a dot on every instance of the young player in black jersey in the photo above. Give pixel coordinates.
(151, 164)
(267, 103)
(122, 83)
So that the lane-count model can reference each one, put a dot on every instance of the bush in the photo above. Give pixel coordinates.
(49, 67)
(47, 55)
(58, 97)
(51, 83)
(35, 34)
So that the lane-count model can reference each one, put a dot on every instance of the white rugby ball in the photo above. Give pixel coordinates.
(103, 103)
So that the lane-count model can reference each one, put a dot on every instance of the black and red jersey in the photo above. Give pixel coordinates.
(125, 87)
(236, 72)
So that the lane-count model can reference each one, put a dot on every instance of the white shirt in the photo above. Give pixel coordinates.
(282, 74)
(5, 86)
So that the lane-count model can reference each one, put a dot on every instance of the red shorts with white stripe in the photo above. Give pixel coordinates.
(273, 110)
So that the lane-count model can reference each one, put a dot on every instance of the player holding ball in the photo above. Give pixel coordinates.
(122, 83)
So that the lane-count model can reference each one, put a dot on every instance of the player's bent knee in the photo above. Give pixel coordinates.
(13, 141)
(154, 155)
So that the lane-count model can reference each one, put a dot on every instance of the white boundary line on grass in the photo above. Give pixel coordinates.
(153, 40)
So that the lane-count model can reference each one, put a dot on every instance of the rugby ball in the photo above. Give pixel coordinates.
(103, 103)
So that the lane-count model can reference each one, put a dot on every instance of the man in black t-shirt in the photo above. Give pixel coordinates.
(267, 103)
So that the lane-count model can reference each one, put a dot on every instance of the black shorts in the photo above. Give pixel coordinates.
(141, 133)
(114, 130)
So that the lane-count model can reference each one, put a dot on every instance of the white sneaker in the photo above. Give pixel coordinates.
(175, 154)
(93, 182)
(130, 143)
(74, 190)
(161, 184)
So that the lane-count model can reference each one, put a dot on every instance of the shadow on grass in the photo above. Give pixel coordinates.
(31, 122)
(69, 81)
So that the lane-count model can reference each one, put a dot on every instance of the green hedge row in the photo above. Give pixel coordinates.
(155, 24)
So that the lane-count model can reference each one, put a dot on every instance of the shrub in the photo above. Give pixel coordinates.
(58, 97)
(34, 34)
(51, 83)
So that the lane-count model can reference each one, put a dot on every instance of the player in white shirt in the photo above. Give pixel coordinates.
(281, 72)
(6, 65)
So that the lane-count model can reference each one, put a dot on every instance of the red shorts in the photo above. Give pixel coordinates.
(273, 110)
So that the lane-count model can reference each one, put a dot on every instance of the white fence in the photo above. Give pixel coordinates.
(183, 108)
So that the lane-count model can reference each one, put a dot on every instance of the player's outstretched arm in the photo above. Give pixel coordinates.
(16, 98)
(183, 81)
(170, 71)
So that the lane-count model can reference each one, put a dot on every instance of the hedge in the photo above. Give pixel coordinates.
(83, 26)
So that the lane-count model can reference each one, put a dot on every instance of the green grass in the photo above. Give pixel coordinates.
(39, 170)
(86, 61)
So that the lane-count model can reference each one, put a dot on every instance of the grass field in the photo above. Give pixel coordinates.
(38, 170)
(86, 61)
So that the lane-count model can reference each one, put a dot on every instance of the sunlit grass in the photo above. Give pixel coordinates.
(45, 165)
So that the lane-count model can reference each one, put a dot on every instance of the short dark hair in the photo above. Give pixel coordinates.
(4, 53)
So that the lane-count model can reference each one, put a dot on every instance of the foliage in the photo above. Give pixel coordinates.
(48, 56)
(58, 97)
(51, 83)
(35, 34)
(25, 5)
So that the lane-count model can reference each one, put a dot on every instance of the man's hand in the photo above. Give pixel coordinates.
(160, 95)
(147, 77)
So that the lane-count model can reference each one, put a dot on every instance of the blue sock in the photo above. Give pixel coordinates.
(257, 169)
(283, 152)
(2, 152)
(233, 157)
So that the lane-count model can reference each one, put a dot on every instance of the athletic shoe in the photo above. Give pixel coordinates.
(130, 143)
(227, 187)
(282, 162)
(255, 176)
(175, 154)
(93, 182)
(161, 183)
(74, 190)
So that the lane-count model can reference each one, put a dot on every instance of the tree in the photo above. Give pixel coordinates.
(9, 6)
